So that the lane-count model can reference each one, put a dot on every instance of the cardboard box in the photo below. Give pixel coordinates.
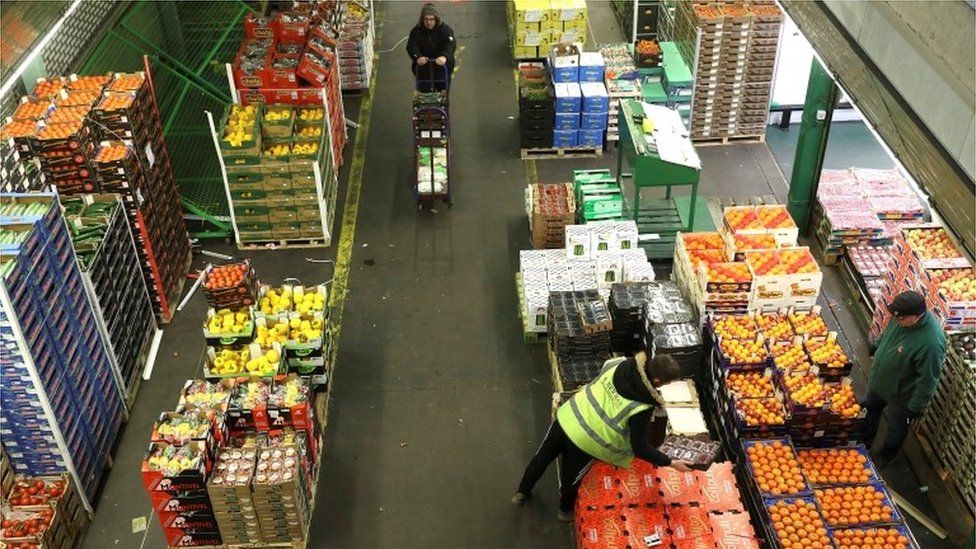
(565, 139)
(569, 97)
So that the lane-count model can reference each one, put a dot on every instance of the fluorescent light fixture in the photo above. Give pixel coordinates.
(25, 62)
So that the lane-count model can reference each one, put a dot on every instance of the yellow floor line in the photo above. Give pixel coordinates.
(347, 232)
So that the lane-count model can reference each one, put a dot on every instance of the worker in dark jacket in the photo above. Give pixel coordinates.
(906, 369)
(618, 415)
(431, 45)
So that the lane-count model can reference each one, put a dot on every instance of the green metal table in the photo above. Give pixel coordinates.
(663, 159)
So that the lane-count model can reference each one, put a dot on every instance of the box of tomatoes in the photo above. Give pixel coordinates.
(230, 286)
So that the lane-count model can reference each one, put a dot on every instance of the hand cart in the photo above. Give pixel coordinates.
(431, 136)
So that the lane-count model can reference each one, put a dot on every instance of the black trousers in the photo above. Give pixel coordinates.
(575, 464)
(897, 425)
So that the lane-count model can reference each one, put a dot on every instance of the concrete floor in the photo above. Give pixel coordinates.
(437, 403)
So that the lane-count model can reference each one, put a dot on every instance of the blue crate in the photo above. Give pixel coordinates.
(568, 98)
(896, 517)
(590, 138)
(901, 528)
(567, 121)
(769, 502)
(564, 139)
(748, 443)
(595, 97)
(593, 121)
(859, 448)
(563, 75)
(591, 73)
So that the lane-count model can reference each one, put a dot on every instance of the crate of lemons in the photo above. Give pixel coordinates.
(229, 326)
(297, 318)
(240, 133)
(247, 360)
(277, 121)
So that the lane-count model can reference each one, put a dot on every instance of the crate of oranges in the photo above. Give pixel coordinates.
(230, 286)
(865, 505)
(743, 220)
(743, 354)
(890, 537)
(827, 355)
(789, 356)
(837, 466)
(808, 322)
(778, 222)
(775, 326)
(119, 111)
(773, 466)
(736, 245)
(732, 327)
(755, 416)
(796, 522)
(725, 277)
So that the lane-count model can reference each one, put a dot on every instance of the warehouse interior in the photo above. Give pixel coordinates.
(436, 398)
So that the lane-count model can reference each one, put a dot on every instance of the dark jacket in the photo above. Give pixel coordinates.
(432, 43)
(908, 362)
(645, 436)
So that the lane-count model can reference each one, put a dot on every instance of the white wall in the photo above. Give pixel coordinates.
(795, 55)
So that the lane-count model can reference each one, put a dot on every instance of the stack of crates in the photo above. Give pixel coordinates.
(271, 176)
(60, 407)
(535, 25)
(950, 421)
(598, 195)
(582, 102)
(734, 61)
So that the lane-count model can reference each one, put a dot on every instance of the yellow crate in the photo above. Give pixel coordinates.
(525, 52)
(523, 27)
(531, 11)
(568, 36)
(532, 39)
(578, 25)
(567, 10)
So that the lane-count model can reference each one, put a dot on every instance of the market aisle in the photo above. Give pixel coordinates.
(437, 402)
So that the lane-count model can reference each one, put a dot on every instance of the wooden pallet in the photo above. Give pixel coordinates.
(561, 152)
(527, 335)
(728, 140)
(298, 243)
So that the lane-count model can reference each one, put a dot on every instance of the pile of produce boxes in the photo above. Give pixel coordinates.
(279, 173)
(753, 263)
(926, 260)
(735, 56)
(235, 463)
(109, 263)
(950, 420)
(356, 37)
(293, 59)
(826, 497)
(621, 80)
(17, 173)
(596, 256)
(598, 195)
(863, 207)
(261, 331)
(43, 511)
(551, 208)
(777, 373)
(535, 25)
(619, 507)
(103, 133)
(537, 107)
(582, 103)
(61, 403)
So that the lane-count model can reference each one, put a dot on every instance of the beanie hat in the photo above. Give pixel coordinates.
(429, 9)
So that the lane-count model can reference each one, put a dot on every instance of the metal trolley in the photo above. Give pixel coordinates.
(432, 136)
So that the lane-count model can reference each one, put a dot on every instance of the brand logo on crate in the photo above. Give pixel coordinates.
(251, 81)
(262, 32)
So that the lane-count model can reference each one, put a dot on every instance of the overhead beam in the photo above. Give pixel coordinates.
(936, 170)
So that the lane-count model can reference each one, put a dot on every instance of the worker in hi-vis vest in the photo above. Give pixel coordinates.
(618, 415)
